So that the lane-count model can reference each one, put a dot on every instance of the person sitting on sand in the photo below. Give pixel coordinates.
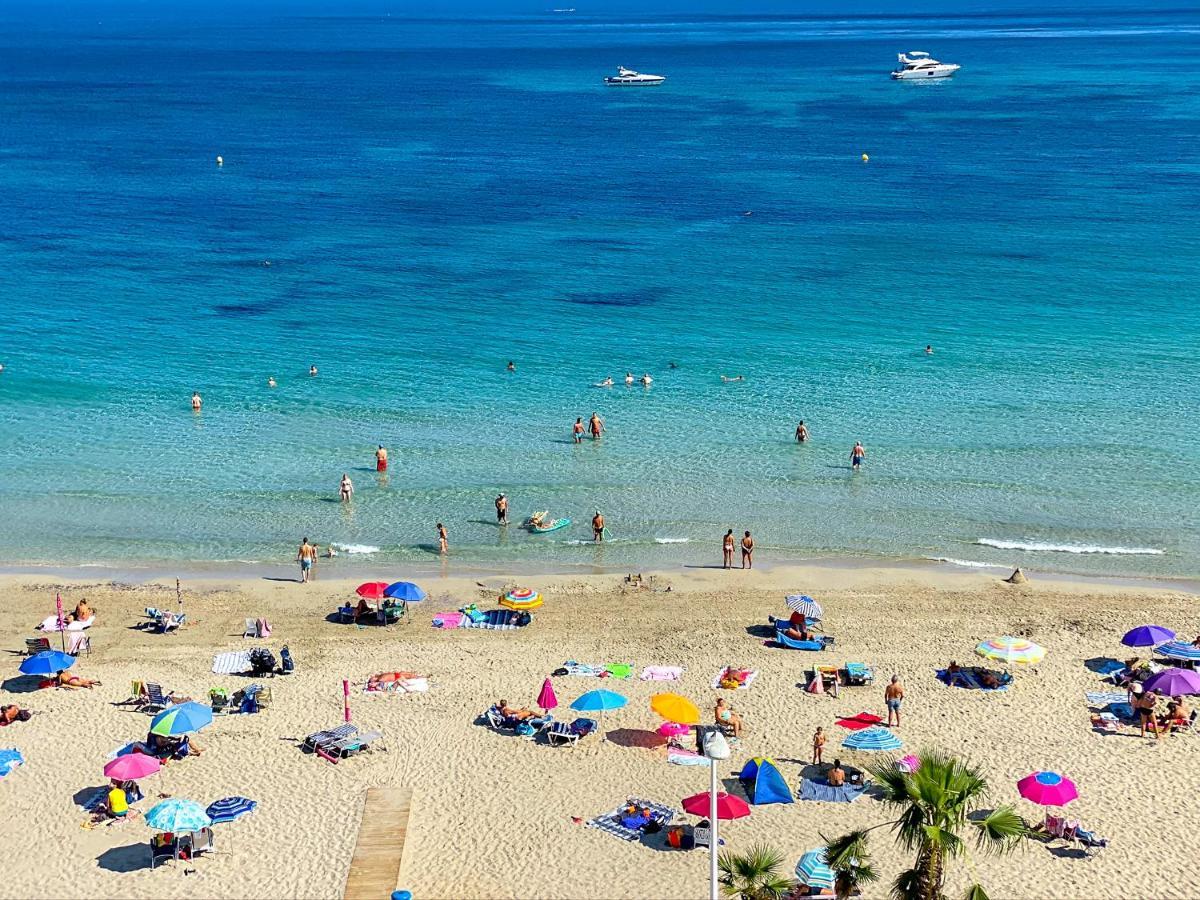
(836, 776)
(82, 612)
(362, 609)
(13, 713)
(74, 682)
(799, 632)
(723, 714)
(1176, 718)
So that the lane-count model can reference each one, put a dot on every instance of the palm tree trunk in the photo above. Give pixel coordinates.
(930, 864)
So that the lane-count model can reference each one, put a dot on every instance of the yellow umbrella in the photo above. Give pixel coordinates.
(674, 708)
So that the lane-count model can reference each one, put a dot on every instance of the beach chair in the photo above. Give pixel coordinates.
(354, 744)
(219, 699)
(168, 622)
(155, 700)
(36, 645)
(318, 740)
(702, 835)
(250, 629)
(264, 698)
(162, 849)
(859, 674)
(560, 734)
(193, 843)
(79, 643)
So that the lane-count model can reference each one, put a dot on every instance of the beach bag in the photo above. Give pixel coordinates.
(523, 619)
(286, 664)
(263, 627)
(262, 660)
(525, 729)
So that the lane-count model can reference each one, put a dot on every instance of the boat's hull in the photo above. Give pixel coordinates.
(616, 82)
(924, 76)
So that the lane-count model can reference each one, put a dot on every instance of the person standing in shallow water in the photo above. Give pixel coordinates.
(727, 550)
(801, 432)
(577, 430)
(747, 551)
(502, 510)
(443, 542)
(346, 491)
(381, 457)
(596, 426)
(306, 556)
(597, 527)
(196, 401)
(857, 455)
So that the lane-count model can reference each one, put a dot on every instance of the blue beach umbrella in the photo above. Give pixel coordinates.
(9, 760)
(48, 662)
(230, 808)
(404, 590)
(805, 605)
(1173, 650)
(181, 719)
(872, 740)
(599, 701)
(814, 871)
(176, 814)
(1147, 636)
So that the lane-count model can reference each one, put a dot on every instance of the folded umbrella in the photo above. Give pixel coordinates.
(1047, 789)
(132, 767)
(48, 662)
(546, 698)
(728, 806)
(1147, 636)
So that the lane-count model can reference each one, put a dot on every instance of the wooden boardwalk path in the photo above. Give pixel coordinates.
(375, 867)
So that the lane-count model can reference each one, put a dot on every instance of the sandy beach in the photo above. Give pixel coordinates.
(493, 815)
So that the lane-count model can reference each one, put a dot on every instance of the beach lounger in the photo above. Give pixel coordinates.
(79, 643)
(561, 734)
(318, 740)
(505, 725)
(36, 645)
(353, 744)
(250, 629)
(859, 674)
(156, 700)
(822, 643)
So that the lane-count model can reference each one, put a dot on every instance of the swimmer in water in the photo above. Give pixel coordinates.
(647, 380)
(512, 366)
(196, 401)
(270, 381)
(929, 349)
(857, 455)
(801, 432)
(629, 378)
(347, 488)
(607, 382)
(312, 371)
(672, 365)
(729, 379)
(596, 426)
(577, 430)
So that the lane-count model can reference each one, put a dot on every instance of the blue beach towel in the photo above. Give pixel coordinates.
(817, 790)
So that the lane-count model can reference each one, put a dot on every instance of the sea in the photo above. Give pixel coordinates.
(409, 204)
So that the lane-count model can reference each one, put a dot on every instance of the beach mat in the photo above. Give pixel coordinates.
(814, 790)
(1103, 698)
(859, 722)
(716, 682)
(662, 673)
(233, 663)
(611, 821)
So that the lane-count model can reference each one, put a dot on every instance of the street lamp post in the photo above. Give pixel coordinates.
(716, 749)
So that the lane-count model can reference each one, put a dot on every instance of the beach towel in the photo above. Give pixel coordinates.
(662, 673)
(9, 760)
(859, 722)
(1103, 698)
(232, 663)
(611, 821)
(968, 680)
(399, 686)
(583, 670)
(619, 670)
(683, 757)
(448, 620)
(495, 620)
(817, 790)
(51, 624)
(716, 682)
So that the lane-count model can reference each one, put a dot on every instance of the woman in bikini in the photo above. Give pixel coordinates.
(74, 682)
(724, 715)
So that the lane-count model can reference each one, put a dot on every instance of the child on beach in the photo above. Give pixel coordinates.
(818, 745)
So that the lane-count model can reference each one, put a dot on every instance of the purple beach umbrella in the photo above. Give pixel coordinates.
(1172, 682)
(1147, 636)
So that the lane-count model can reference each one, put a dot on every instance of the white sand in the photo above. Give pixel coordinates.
(492, 815)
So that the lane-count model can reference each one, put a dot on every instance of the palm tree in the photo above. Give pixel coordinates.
(850, 861)
(935, 804)
(754, 875)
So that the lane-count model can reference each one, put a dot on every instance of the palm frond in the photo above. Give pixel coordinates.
(1001, 831)
(908, 886)
(976, 892)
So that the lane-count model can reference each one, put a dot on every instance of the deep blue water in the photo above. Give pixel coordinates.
(435, 198)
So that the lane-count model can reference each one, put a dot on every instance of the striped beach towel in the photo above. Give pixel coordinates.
(232, 663)
(611, 821)
(1103, 698)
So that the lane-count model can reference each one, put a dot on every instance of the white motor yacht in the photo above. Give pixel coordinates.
(918, 64)
(628, 76)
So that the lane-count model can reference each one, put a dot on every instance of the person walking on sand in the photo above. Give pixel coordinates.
(893, 696)
(347, 488)
(819, 740)
(381, 459)
(857, 455)
(727, 550)
(306, 555)
(596, 426)
(597, 527)
(502, 510)
(196, 401)
(443, 544)
(577, 430)
(801, 432)
(747, 551)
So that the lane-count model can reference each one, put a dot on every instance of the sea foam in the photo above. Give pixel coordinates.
(1069, 548)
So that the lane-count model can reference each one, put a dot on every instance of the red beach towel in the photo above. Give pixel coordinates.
(859, 722)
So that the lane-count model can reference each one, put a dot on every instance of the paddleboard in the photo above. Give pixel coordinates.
(557, 524)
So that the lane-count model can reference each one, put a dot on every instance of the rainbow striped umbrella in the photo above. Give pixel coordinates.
(1011, 649)
(521, 598)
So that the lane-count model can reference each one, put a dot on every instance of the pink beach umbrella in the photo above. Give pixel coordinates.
(1047, 789)
(728, 806)
(908, 763)
(673, 729)
(545, 698)
(132, 766)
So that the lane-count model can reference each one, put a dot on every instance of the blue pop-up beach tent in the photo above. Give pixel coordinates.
(763, 783)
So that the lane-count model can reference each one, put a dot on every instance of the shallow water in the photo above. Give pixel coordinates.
(436, 198)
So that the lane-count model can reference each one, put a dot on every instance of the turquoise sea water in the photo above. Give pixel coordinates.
(436, 198)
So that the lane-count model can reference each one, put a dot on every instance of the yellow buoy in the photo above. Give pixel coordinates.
(866, 158)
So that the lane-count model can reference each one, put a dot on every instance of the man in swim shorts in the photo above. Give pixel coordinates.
(502, 510)
(196, 401)
(747, 551)
(857, 455)
(305, 556)
(893, 696)
(596, 426)
(597, 527)
(381, 459)
(577, 430)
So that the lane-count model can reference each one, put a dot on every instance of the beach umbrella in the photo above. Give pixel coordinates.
(229, 808)
(48, 662)
(1147, 636)
(814, 871)
(728, 806)
(181, 719)
(675, 708)
(521, 598)
(132, 767)
(1179, 650)
(805, 605)
(908, 764)
(1047, 789)
(177, 814)
(545, 698)
(372, 590)
(599, 701)
(872, 740)
(404, 590)
(1173, 682)
(673, 729)
(9, 760)
(1011, 649)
